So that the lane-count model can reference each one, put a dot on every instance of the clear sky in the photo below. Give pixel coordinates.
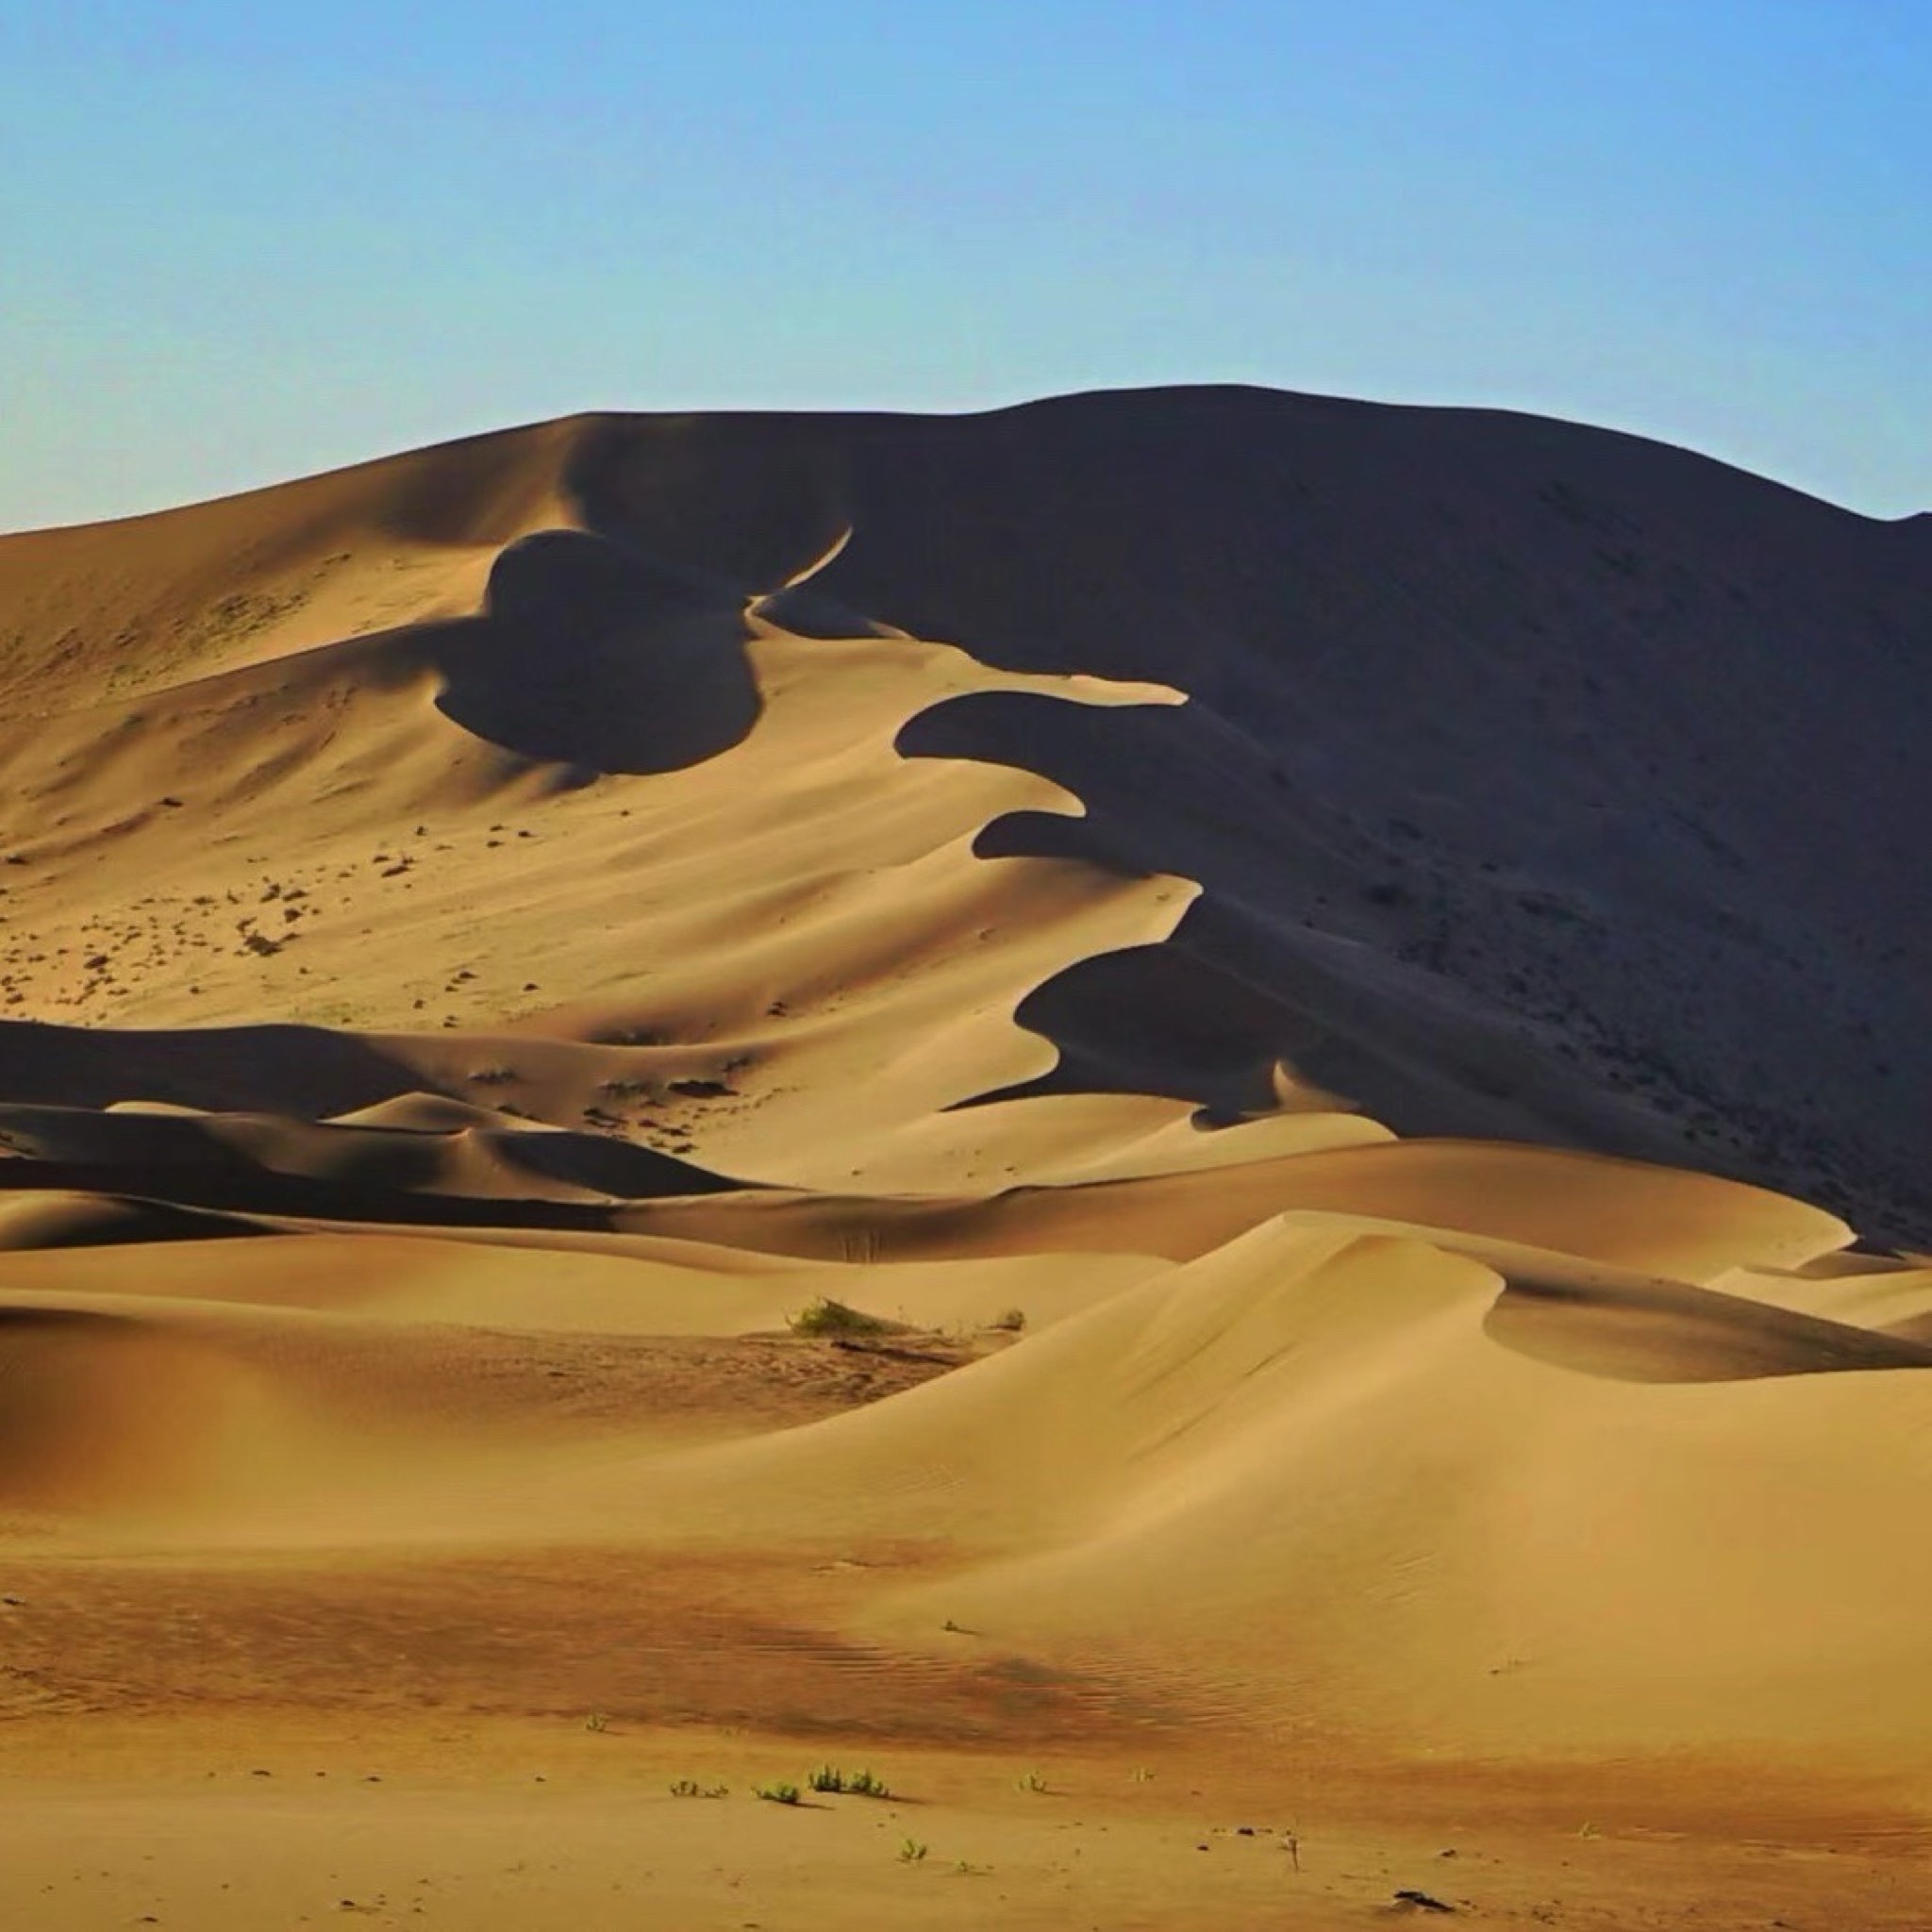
(243, 241)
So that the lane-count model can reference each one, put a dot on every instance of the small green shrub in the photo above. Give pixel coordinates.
(857, 1784)
(912, 1850)
(777, 1793)
(689, 1788)
(828, 1317)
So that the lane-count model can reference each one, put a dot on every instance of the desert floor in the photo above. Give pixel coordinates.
(267, 1819)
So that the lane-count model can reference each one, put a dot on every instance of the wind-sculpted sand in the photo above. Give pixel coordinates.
(684, 1098)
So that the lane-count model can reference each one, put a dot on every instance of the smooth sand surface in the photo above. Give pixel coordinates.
(660, 1125)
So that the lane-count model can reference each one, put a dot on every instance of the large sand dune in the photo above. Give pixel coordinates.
(1315, 998)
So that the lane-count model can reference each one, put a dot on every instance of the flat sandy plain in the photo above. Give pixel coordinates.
(492, 939)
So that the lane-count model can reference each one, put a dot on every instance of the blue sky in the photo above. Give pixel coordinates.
(244, 243)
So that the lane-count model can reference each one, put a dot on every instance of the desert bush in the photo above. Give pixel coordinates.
(857, 1784)
(828, 1317)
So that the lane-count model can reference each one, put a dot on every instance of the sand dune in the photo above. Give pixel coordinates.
(1182, 1076)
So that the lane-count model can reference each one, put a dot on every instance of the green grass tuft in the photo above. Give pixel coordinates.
(828, 1317)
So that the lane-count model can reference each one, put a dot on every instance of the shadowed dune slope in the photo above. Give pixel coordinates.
(1214, 1057)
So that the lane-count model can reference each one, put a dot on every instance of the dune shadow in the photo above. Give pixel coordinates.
(591, 654)
(1674, 1332)
(165, 1173)
(305, 1072)
(34, 1318)
(1158, 1019)
(621, 1169)
(51, 1218)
